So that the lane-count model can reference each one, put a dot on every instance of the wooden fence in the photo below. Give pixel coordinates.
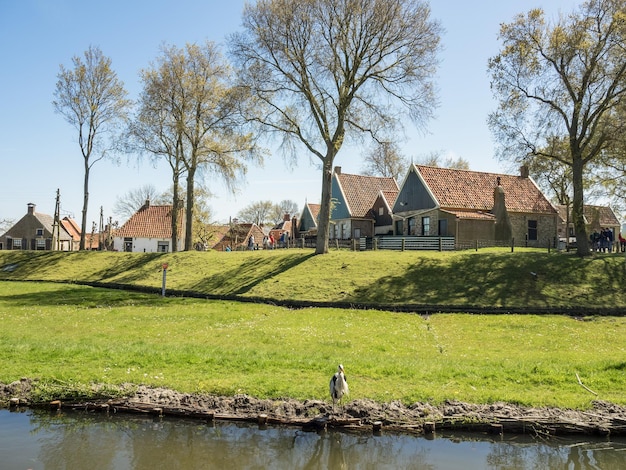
(400, 243)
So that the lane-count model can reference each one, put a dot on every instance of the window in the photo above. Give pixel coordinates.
(41, 244)
(412, 226)
(532, 230)
(381, 210)
(357, 233)
(17, 243)
(128, 244)
(39, 232)
(163, 247)
(425, 225)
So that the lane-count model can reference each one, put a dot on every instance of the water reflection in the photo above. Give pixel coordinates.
(36, 440)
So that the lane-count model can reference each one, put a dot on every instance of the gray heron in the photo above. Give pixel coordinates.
(338, 385)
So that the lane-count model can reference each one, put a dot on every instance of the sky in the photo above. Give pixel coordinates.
(39, 150)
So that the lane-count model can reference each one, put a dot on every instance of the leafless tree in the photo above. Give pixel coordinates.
(385, 159)
(131, 201)
(92, 99)
(191, 114)
(324, 71)
(256, 213)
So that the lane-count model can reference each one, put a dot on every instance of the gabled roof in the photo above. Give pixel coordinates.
(600, 215)
(26, 226)
(390, 197)
(71, 227)
(473, 190)
(151, 222)
(360, 191)
(314, 209)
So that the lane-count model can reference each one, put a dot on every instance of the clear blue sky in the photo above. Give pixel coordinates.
(39, 151)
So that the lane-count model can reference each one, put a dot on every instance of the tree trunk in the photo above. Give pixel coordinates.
(323, 226)
(83, 223)
(189, 209)
(582, 240)
(175, 205)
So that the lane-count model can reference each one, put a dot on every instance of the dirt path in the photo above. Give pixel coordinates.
(357, 415)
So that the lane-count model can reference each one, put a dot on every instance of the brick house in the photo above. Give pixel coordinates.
(36, 231)
(474, 206)
(149, 230)
(596, 218)
(359, 203)
(237, 235)
(307, 225)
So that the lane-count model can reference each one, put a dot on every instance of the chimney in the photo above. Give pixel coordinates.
(31, 208)
(286, 218)
(337, 170)
(524, 171)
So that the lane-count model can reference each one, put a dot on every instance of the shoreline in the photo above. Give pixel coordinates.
(362, 415)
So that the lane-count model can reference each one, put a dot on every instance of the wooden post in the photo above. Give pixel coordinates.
(403, 243)
(377, 426)
(440, 244)
(512, 244)
(476, 242)
(429, 427)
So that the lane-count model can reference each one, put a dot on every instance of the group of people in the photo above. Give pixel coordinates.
(603, 241)
(269, 242)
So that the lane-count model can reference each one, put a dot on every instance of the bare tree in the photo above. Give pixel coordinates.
(5, 224)
(436, 159)
(195, 116)
(327, 70)
(256, 213)
(131, 201)
(156, 129)
(562, 80)
(385, 159)
(92, 99)
(283, 208)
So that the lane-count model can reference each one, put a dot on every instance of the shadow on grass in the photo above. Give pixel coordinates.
(79, 296)
(252, 272)
(502, 280)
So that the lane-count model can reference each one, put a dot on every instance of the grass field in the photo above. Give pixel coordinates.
(493, 278)
(72, 336)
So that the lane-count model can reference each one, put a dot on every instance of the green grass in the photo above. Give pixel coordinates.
(72, 336)
(493, 277)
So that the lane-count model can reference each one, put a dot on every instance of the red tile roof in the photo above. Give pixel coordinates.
(151, 222)
(390, 196)
(315, 211)
(473, 190)
(599, 215)
(71, 227)
(361, 191)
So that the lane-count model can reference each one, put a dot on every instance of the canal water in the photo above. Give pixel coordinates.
(73, 441)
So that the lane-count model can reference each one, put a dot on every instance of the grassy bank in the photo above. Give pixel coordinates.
(71, 336)
(493, 278)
